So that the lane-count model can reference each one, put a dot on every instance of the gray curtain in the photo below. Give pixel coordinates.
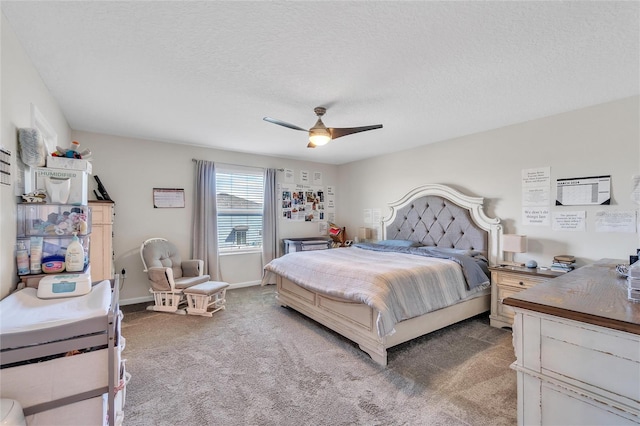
(205, 223)
(270, 219)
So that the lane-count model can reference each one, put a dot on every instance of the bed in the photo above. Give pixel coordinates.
(359, 291)
(60, 358)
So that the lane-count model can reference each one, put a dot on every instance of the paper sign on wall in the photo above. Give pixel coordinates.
(616, 221)
(535, 186)
(569, 221)
(535, 216)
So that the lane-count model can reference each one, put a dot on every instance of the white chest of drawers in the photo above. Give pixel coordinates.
(577, 345)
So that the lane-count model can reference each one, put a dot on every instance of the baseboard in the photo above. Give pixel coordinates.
(145, 299)
(244, 284)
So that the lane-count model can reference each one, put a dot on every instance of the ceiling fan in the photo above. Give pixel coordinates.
(320, 134)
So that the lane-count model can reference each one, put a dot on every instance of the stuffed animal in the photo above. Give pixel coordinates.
(37, 196)
(72, 152)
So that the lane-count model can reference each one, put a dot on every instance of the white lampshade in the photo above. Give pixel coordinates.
(514, 243)
(364, 233)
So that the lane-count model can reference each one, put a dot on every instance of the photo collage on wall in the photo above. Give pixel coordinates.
(304, 203)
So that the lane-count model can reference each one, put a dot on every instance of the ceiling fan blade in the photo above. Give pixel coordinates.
(285, 124)
(337, 132)
(311, 145)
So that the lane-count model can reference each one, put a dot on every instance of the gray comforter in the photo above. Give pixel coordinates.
(395, 282)
(474, 268)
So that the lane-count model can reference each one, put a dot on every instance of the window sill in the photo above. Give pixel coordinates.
(239, 251)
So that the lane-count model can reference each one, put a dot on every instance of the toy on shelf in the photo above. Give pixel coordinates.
(34, 197)
(72, 152)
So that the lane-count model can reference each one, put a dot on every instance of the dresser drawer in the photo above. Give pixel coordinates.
(578, 354)
(504, 311)
(518, 280)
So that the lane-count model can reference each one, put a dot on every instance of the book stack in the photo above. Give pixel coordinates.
(563, 263)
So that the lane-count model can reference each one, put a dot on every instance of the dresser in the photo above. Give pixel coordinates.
(509, 280)
(577, 344)
(101, 253)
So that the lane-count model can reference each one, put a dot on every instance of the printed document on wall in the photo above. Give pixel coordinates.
(535, 216)
(536, 186)
(616, 221)
(635, 192)
(569, 221)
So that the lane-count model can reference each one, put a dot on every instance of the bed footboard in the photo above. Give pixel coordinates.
(357, 321)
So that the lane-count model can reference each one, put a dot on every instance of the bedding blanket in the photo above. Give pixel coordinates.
(398, 285)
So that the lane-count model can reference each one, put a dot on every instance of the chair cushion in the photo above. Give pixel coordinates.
(186, 282)
(208, 288)
(161, 253)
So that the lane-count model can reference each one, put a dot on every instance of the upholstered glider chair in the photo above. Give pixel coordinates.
(176, 283)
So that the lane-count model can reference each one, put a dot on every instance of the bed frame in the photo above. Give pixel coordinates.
(434, 215)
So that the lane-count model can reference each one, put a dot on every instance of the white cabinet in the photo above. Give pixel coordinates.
(577, 344)
(72, 373)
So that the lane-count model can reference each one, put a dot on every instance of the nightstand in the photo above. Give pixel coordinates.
(509, 280)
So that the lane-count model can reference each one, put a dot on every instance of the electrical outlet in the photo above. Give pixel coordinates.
(123, 273)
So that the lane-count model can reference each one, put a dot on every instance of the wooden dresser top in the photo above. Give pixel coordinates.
(594, 294)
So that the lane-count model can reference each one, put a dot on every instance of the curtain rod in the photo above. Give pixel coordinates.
(239, 165)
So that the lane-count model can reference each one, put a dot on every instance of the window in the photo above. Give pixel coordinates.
(239, 195)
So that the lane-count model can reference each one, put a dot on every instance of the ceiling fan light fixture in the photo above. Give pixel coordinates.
(319, 134)
(319, 139)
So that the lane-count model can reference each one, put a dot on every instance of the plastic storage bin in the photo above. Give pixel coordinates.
(633, 282)
(54, 224)
(58, 246)
(53, 220)
(45, 177)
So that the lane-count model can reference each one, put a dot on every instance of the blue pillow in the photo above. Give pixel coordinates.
(399, 243)
(451, 250)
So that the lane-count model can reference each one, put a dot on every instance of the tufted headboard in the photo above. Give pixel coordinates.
(437, 215)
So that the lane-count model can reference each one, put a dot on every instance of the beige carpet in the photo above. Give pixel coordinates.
(257, 363)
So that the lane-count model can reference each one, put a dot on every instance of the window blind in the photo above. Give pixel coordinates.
(239, 196)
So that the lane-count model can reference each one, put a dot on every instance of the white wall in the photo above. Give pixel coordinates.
(20, 86)
(130, 169)
(600, 140)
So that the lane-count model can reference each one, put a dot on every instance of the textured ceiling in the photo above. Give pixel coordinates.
(206, 73)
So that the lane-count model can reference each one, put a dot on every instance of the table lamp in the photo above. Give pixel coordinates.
(511, 244)
(364, 234)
